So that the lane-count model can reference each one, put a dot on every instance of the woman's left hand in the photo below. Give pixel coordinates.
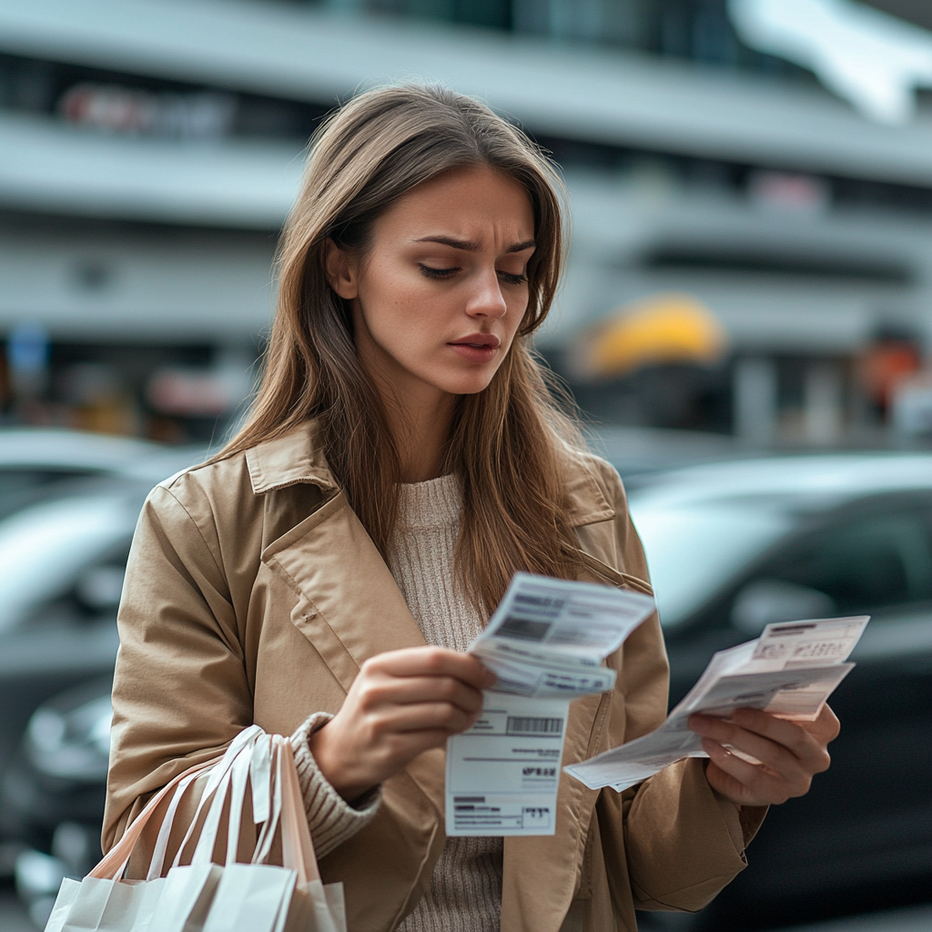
(790, 754)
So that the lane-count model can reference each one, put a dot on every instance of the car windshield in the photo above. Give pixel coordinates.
(692, 549)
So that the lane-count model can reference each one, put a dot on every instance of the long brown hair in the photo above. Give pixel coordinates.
(507, 442)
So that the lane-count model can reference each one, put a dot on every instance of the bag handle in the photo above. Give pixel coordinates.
(264, 762)
(114, 862)
(157, 861)
(273, 806)
(232, 787)
(217, 785)
(297, 845)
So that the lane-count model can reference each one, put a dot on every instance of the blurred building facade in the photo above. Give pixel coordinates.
(151, 148)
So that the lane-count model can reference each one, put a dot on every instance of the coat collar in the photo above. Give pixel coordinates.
(297, 457)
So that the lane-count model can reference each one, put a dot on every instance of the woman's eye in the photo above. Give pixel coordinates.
(514, 279)
(430, 272)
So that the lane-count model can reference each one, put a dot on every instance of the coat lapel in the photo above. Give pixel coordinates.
(350, 605)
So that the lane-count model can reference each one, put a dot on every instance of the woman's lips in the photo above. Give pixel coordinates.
(478, 339)
(477, 347)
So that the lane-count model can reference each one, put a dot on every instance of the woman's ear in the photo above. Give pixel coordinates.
(342, 271)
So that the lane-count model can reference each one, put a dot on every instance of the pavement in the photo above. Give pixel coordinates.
(911, 919)
(13, 918)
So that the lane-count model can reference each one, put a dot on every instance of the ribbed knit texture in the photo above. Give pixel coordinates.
(465, 892)
(332, 820)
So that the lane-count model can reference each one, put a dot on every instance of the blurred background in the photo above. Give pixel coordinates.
(752, 208)
(750, 190)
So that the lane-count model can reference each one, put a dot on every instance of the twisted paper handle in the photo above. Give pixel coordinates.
(261, 761)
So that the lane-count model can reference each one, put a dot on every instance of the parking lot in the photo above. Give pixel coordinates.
(803, 553)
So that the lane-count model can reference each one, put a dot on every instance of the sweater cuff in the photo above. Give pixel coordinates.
(331, 819)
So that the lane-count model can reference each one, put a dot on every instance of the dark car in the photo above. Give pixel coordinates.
(732, 547)
(53, 792)
(63, 563)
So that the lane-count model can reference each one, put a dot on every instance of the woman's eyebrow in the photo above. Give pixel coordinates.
(471, 245)
(520, 247)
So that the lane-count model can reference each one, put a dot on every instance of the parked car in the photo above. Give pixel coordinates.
(68, 506)
(732, 546)
(641, 452)
(63, 563)
(38, 462)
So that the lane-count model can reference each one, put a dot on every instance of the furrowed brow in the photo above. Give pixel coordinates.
(472, 246)
(520, 247)
(465, 245)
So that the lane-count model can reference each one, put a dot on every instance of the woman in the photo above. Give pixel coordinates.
(322, 575)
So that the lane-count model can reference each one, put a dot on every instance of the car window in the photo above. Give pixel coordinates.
(692, 551)
(867, 562)
(21, 487)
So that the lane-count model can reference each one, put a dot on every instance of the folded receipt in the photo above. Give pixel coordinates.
(789, 671)
(546, 643)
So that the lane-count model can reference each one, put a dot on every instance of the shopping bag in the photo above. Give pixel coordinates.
(101, 903)
(66, 896)
(204, 896)
(94, 905)
(251, 896)
(183, 901)
(314, 905)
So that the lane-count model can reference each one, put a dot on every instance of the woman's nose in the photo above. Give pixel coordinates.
(487, 299)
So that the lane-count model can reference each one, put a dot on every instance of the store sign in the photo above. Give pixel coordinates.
(121, 109)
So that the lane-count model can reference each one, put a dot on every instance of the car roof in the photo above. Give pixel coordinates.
(69, 447)
(829, 477)
(72, 450)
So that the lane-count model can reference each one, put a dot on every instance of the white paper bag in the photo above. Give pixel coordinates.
(203, 896)
(185, 898)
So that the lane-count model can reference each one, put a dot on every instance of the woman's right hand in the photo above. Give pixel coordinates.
(402, 703)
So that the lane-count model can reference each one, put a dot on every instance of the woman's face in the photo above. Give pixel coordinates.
(439, 295)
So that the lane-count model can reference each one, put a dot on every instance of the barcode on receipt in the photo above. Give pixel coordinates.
(534, 726)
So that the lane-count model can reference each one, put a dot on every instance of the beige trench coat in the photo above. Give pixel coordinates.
(253, 594)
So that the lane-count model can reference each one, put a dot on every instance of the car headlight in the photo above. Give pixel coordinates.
(72, 744)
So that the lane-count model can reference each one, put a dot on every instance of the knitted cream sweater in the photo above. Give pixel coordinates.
(466, 886)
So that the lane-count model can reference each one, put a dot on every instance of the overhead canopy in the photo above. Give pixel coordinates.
(571, 90)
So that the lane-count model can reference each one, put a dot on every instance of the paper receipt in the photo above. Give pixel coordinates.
(503, 774)
(546, 643)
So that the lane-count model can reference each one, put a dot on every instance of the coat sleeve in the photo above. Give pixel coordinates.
(181, 691)
(666, 840)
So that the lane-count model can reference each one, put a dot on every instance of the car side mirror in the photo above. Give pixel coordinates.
(766, 601)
